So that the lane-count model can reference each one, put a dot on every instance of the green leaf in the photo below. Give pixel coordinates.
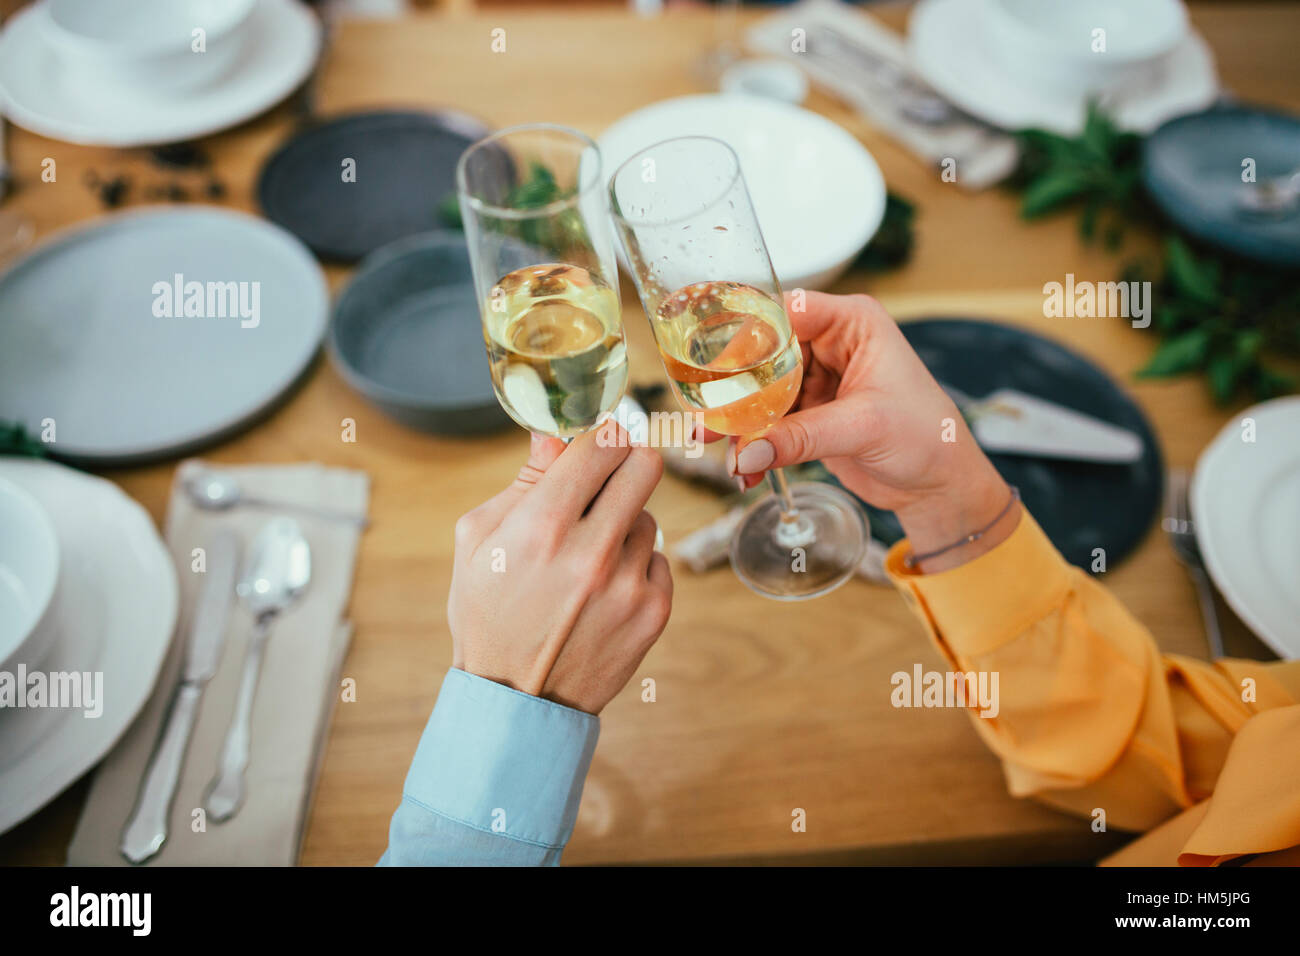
(14, 440)
(1248, 344)
(1051, 191)
(449, 212)
(892, 244)
(1223, 372)
(1198, 281)
(1088, 220)
(1269, 383)
(1100, 135)
(1182, 353)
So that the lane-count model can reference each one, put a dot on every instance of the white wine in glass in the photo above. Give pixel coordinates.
(704, 277)
(730, 355)
(555, 346)
(537, 224)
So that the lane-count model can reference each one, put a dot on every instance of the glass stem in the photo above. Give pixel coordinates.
(793, 530)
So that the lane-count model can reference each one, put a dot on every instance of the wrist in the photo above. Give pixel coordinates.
(979, 502)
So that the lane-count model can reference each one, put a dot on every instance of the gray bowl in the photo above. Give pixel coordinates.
(406, 333)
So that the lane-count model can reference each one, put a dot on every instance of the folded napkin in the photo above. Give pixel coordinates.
(295, 696)
(862, 61)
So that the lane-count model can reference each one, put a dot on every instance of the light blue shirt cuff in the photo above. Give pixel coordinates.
(502, 762)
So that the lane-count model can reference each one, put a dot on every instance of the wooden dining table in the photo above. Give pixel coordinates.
(761, 708)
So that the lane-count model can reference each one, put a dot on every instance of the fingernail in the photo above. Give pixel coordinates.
(755, 456)
(740, 483)
(731, 460)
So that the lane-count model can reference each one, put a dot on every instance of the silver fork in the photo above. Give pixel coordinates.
(1181, 530)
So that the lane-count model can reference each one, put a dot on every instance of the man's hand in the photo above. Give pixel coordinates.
(557, 590)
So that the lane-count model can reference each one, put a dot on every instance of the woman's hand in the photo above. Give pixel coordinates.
(873, 414)
(557, 590)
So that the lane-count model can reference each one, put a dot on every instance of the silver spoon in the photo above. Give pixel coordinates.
(215, 491)
(275, 575)
(1279, 196)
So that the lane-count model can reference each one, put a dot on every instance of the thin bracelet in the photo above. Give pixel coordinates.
(912, 560)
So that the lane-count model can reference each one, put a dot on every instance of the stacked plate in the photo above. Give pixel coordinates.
(1245, 499)
(1037, 63)
(140, 72)
(88, 601)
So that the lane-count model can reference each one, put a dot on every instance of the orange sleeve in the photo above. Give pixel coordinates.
(1091, 715)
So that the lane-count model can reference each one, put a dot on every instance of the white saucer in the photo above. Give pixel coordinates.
(281, 40)
(945, 46)
(115, 610)
(1245, 500)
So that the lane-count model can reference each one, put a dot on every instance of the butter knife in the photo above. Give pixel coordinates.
(146, 830)
(1012, 422)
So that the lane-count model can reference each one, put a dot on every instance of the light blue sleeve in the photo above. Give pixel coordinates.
(495, 781)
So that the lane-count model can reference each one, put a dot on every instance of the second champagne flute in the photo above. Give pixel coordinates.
(536, 218)
(693, 245)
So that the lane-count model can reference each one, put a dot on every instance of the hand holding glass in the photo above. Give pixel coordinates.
(704, 277)
(537, 224)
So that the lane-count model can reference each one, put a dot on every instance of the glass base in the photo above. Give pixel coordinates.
(812, 556)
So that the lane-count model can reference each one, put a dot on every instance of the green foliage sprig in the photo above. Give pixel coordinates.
(1099, 170)
(1220, 316)
(536, 190)
(892, 244)
(14, 440)
(1217, 315)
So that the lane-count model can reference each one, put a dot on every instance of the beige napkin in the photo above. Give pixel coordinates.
(985, 156)
(299, 685)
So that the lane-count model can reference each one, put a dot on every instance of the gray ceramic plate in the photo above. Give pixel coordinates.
(85, 341)
(407, 334)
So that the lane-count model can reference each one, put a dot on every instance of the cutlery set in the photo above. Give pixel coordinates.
(275, 573)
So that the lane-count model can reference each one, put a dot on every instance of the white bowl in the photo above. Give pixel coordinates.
(29, 572)
(818, 193)
(141, 46)
(1052, 41)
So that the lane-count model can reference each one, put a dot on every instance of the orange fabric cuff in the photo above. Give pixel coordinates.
(978, 606)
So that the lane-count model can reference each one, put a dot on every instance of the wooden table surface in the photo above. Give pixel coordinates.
(762, 707)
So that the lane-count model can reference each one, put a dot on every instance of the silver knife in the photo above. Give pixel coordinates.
(146, 830)
(1012, 422)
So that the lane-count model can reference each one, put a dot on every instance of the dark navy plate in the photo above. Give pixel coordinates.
(1192, 167)
(405, 167)
(1080, 505)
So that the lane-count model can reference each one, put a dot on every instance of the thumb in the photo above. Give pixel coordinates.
(832, 430)
(542, 452)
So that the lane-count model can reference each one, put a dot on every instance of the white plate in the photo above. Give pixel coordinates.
(818, 193)
(945, 43)
(1245, 500)
(281, 40)
(115, 610)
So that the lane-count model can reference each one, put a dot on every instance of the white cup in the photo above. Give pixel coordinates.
(139, 47)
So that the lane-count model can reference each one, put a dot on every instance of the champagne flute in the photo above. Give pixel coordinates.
(693, 244)
(536, 221)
